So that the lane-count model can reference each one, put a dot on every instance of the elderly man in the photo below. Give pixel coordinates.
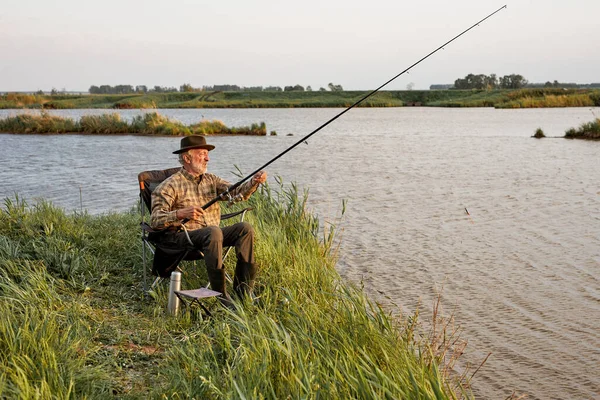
(179, 199)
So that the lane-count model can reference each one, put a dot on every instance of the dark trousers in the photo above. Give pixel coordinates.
(212, 239)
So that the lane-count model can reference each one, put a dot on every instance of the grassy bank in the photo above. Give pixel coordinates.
(500, 98)
(588, 130)
(73, 323)
(151, 123)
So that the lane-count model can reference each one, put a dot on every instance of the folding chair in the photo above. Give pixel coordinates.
(148, 181)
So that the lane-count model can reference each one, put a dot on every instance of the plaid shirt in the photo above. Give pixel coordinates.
(182, 190)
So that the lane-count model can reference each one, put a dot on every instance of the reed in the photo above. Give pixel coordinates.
(42, 123)
(150, 123)
(20, 100)
(103, 124)
(153, 123)
(588, 130)
(573, 100)
(75, 325)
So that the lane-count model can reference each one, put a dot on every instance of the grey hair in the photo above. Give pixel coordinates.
(181, 161)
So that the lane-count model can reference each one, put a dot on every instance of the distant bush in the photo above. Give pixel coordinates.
(539, 133)
(589, 131)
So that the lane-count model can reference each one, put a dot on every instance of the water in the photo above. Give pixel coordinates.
(519, 272)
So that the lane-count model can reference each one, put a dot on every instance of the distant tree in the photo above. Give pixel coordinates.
(470, 81)
(308, 88)
(161, 89)
(296, 88)
(273, 89)
(227, 88)
(141, 89)
(322, 89)
(39, 92)
(513, 81)
(123, 89)
(491, 82)
(479, 81)
(410, 86)
(53, 92)
(335, 88)
(186, 87)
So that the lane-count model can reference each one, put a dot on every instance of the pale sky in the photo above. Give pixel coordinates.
(73, 44)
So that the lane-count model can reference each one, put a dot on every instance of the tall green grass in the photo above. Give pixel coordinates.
(150, 123)
(74, 323)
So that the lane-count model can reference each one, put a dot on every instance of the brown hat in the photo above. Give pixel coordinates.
(193, 142)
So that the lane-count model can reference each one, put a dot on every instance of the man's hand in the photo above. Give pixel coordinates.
(191, 212)
(259, 177)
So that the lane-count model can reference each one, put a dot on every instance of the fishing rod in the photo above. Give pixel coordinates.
(226, 193)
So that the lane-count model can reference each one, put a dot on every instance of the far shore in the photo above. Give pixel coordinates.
(497, 98)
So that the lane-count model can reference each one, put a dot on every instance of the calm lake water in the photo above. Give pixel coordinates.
(519, 271)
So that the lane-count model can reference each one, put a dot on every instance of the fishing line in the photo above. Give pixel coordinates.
(225, 194)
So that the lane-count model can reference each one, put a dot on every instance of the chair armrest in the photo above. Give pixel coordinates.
(147, 228)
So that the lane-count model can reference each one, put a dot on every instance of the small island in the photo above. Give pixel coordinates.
(150, 123)
(587, 131)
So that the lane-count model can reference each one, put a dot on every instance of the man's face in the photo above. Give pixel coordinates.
(197, 161)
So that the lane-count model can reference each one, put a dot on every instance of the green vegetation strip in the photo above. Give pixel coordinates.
(499, 98)
(74, 324)
(150, 123)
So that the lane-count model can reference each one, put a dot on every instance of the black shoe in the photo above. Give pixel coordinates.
(216, 277)
(227, 302)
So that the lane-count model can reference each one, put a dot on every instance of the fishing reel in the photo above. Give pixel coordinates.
(231, 200)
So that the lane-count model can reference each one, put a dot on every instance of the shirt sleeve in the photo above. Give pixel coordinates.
(162, 215)
(244, 191)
